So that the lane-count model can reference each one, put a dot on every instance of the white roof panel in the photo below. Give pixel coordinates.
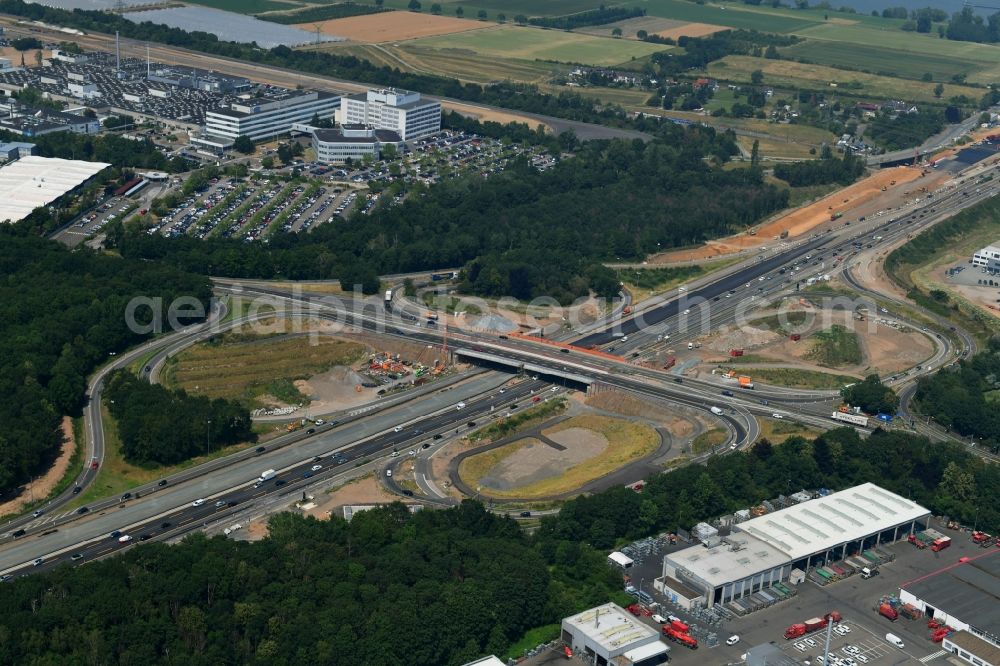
(34, 181)
(646, 652)
(820, 524)
(611, 627)
(621, 559)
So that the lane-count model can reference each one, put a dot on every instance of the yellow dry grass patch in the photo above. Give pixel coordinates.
(692, 30)
(241, 367)
(393, 26)
(628, 441)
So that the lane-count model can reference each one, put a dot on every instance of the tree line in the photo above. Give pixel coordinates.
(599, 16)
(519, 232)
(319, 13)
(826, 170)
(160, 426)
(962, 397)
(457, 583)
(61, 314)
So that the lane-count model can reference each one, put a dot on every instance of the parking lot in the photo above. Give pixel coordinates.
(861, 638)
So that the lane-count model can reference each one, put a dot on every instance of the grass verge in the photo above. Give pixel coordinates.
(116, 475)
(532, 639)
(708, 440)
(796, 378)
(774, 430)
(508, 426)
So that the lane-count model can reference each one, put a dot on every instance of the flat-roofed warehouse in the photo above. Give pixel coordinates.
(964, 596)
(608, 634)
(763, 551)
(34, 181)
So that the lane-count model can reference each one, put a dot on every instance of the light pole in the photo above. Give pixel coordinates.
(208, 432)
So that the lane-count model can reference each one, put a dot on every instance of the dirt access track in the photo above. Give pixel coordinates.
(393, 26)
(804, 220)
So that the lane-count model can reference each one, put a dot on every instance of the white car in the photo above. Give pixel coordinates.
(845, 628)
(839, 631)
(316, 468)
(460, 405)
(848, 662)
(862, 658)
(733, 640)
(776, 415)
(388, 473)
(398, 429)
(851, 649)
(688, 311)
(124, 538)
(198, 502)
(810, 642)
(800, 646)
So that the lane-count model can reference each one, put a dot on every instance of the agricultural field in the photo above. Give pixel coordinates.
(509, 7)
(784, 73)
(469, 66)
(527, 43)
(247, 368)
(393, 26)
(654, 26)
(731, 15)
(881, 59)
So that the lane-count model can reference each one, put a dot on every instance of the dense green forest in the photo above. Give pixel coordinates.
(159, 426)
(872, 396)
(456, 583)
(61, 314)
(520, 233)
(906, 129)
(963, 397)
(110, 148)
(824, 171)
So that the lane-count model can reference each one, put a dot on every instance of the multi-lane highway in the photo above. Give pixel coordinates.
(167, 510)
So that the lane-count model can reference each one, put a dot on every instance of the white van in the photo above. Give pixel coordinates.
(895, 640)
(716, 411)
(658, 619)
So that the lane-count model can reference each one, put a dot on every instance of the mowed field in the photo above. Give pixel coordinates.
(653, 25)
(242, 369)
(393, 26)
(467, 66)
(730, 15)
(526, 43)
(883, 60)
(785, 73)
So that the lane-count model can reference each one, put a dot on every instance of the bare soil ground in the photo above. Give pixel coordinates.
(337, 388)
(861, 198)
(885, 348)
(534, 460)
(439, 466)
(630, 405)
(364, 490)
(394, 26)
(692, 30)
(14, 56)
(42, 486)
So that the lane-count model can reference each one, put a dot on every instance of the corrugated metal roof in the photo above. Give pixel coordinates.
(34, 181)
(820, 524)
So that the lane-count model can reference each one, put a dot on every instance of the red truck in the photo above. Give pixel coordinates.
(811, 625)
(677, 625)
(638, 610)
(940, 544)
(679, 637)
(888, 612)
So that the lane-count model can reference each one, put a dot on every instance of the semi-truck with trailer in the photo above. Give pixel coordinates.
(847, 417)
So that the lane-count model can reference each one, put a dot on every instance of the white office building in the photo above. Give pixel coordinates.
(402, 111)
(266, 116)
(988, 258)
(351, 142)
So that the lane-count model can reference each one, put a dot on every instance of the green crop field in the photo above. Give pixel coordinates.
(892, 38)
(536, 44)
(246, 6)
(785, 73)
(735, 16)
(467, 66)
(509, 7)
(879, 59)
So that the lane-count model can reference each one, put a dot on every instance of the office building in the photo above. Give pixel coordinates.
(401, 111)
(268, 114)
(351, 142)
